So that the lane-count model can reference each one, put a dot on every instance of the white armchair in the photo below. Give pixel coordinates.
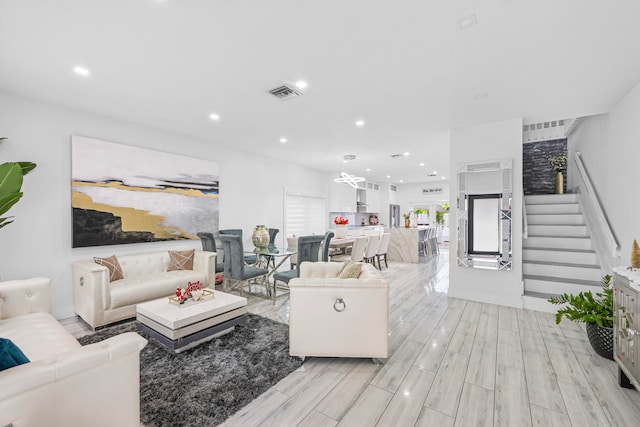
(332, 317)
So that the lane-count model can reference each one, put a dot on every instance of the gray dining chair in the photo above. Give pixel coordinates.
(209, 245)
(273, 232)
(308, 250)
(235, 270)
(249, 259)
(325, 245)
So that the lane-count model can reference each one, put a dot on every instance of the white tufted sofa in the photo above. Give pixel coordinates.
(64, 384)
(100, 302)
(317, 327)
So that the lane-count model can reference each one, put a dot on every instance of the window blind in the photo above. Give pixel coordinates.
(305, 215)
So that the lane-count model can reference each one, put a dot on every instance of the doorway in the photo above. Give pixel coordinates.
(394, 216)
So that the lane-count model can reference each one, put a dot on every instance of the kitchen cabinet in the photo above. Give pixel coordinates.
(342, 198)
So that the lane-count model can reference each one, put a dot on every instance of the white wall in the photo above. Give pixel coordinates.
(38, 243)
(486, 142)
(610, 151)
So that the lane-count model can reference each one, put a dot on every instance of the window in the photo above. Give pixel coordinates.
(305, 215)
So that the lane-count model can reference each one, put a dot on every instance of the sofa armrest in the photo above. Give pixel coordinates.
(99, 382)
(19, 297)
(205, 262)
(90, 291)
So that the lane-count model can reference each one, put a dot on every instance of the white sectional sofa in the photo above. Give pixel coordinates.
(332, 317)
(64, 384)
(100, 302)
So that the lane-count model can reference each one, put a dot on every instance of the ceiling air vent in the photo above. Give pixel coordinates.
(284, 92)
(397, 156)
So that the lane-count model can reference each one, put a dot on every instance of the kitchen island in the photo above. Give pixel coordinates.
(404, 243)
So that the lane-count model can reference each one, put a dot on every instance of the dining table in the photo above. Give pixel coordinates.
(264, 258)
(341, 243)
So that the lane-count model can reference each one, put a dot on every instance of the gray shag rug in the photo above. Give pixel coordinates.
(207, 384)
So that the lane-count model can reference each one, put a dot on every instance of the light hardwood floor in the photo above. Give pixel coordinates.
(452, 363)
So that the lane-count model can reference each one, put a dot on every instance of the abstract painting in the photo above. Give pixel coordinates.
(125, 194)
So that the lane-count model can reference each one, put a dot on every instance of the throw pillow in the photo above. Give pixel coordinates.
(181, 260)
(10, 355)
(115, 271)
(346, 264)
(352, 271)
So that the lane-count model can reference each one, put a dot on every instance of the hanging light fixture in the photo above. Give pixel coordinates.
(352, 180)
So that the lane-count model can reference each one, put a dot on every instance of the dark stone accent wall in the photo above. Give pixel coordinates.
(538, 176)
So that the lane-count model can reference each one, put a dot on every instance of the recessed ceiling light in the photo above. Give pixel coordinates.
(214, 116)
(443, 177)
(81, 71)
(283, 140)
(406, 154)
(402, 180)
(435, 172)
(467, 22)
(359, 123)
(301, 84)
(388, 176)
(421, 164)
(368, 169)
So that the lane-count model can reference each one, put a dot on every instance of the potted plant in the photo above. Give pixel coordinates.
(596, 311)
(407, 219)
(559, 164)
(342, 225)
(11, 174)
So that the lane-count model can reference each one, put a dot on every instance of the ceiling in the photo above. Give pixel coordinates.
(412, 70)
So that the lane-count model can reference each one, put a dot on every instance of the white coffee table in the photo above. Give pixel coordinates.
(180, 327)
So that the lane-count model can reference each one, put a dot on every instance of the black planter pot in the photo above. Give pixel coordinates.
(601, 340)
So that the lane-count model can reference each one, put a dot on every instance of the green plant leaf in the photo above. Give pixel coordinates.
(7, 202)
(4, 221)
(26, 167)
(10, 178)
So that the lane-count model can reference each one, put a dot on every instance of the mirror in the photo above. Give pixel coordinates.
(484, 215)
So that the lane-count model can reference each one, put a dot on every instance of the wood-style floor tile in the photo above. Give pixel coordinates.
(476, 404)
(340, 399)
(406, 404)
(542, 383)
(367, 409)
(444, 395)
(298, 407)
(512, 399)
(393, 372)
(482, 367)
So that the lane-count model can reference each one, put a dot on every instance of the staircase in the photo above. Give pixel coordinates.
(557, 255)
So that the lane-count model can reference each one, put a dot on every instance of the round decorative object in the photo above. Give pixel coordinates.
(260, 237)
(341, 231)
(559, 183)
(601, 340)
(339, 305)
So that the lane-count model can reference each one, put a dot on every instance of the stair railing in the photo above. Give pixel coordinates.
(605, 242)
(525, 225)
